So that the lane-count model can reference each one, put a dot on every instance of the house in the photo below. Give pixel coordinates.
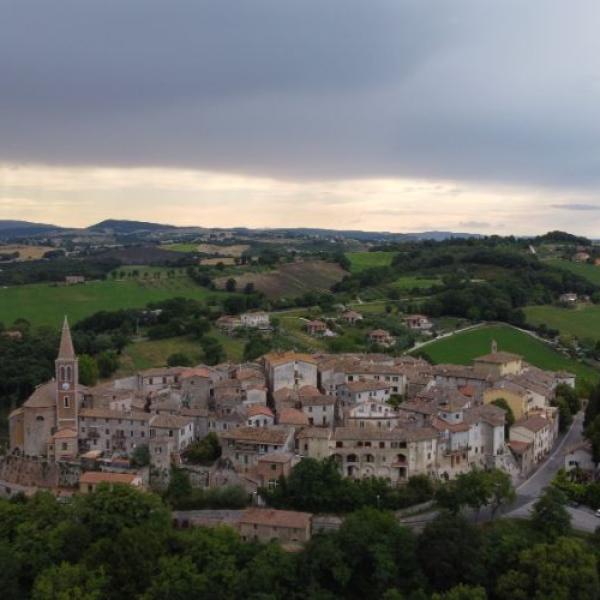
(523, 455)
(536, 430)
(180, 428)
(319, 410)
(157, 378)
(356, 392)
(351, 317)
(568, 298)
(63, 445)
(243, 446)
(381, 337)
(581, 257)
(89, 481)
(371, 414)
(266, 524)
(227, 323)
(255, 320)
(259, 416)
(580, 457)
(519, 399)
(271, 467)
(499, 364)
(418, 322)
(316, 328)
(289, 369)
(74, 279)
(292, 417)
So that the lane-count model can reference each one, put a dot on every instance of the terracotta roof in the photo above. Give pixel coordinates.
(498, 357)
(276, 518)
(307, 391)
(534, 424)
(44, 396)
(258, 409)
(261, 435)
(519, 447)
(15, 413)
(196, 372)
(321, 400)
(279, 358)
(105, 413)
(442, 425)
(163, 371)
(194, 412)
(65, 433)
(321, 433)
(488, 413)
(167, 421)
(101, 477)
(292, 416)
(379, 333)
(276, 457)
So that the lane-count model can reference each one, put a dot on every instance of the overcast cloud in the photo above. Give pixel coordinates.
(503, 94)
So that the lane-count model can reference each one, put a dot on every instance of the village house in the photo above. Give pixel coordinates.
(316, 328)
(180, 428)
(270, 467)
(290, 369)
(568, 298)
(371, 414)
(243, 446)
(356, 392)
(319, 410)
(259, 416)
(266, 524)
(523, 455)
(155, 379)
(89, 481)
(255, 320)
(536, 430)
(74, 279)
(228, 323)
(418, 323)
(580, 457)
(111, 430)
(351, 317)
(381, 337)
(499, 364)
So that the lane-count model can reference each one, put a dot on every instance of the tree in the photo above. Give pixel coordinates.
(213, 350)
(564, 413)
(256, 346)
(108, 363)
(70, 582)
(179, 487)
(249, 288)
(179, 359)
(462, 592)
(592, 433)
(500, 488)
(450, 552)
(570, 395)
(564, 570)
(177, 579)
(204, 451)
(231, 285)
(88, 370)
(140, 457)
(550, 515)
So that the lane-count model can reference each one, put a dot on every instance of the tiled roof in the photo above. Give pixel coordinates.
(534, 424)
(279, 358)
(366, 386)
(65, 433)
(292, 416)
(105, 413)
(258, 409)
(101, 477)
(43, 396)
(262, 435)
(276, 518)
(170, 421)
(276, 457)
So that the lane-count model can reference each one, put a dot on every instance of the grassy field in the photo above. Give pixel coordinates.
(154, 353)
(44, 304)
(291, 279)
(589, 272)
(583, 321)
(25, 252)
(409, 282)
(366, 260)
(180, 247)
(462, 348)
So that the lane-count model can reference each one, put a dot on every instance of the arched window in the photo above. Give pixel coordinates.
(69, 373)
(66, 401)
(62, 374)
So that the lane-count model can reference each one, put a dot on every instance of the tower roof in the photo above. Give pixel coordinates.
(66, 349)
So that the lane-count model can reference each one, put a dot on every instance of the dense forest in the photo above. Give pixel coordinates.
(120, 543)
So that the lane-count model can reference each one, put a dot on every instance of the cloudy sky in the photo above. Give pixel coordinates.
(398, 115)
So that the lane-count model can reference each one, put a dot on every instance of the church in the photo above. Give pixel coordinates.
(46, 424)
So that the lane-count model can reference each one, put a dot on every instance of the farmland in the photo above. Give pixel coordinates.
(359, 261)
(585, 270)
(582, 321)
(46, 304)
(26, 252)
(291, 279)
(410, 282)
(463, 347)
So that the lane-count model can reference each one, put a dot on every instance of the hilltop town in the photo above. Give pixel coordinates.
(377, 415)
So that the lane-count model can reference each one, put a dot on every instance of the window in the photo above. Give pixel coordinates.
(64, 446)
(39, 418)
(69, 373)
(66, 401)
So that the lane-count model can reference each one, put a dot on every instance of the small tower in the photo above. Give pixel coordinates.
(494, 346)
(67, 380)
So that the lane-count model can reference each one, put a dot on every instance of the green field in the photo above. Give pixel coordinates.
(410, 282)
(462, 348)
(585, 270)
(359, 261)
(154, 353)
(582, 321)
(46, 304)
(142, 272)
(180, 247)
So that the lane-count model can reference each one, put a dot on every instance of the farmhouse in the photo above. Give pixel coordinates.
(418, 322)
(316, 327)
(351, 317)
(255, 320)
(381, 337)
(265, 525)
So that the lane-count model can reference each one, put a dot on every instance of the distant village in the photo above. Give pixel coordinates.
(376, 415)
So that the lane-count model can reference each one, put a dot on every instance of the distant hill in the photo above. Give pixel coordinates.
(127, 227)
(10, 228)
(368, 235)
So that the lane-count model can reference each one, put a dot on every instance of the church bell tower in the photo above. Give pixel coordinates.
(67, 380)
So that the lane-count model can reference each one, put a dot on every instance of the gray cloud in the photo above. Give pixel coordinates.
(492, 92)
(576, 206)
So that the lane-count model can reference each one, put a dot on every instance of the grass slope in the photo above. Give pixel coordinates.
(583, 321)
(45, 304)
(360, 261)
(462, 348)
(589, 272)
